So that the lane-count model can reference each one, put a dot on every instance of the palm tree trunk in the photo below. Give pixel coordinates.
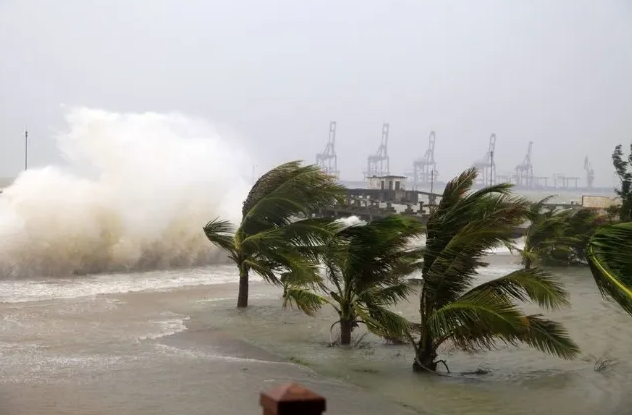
(425, 360)
(242, 297)
(426, 354)
(527, 262)
(345, 332)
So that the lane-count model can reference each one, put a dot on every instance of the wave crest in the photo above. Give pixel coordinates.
(134, 195)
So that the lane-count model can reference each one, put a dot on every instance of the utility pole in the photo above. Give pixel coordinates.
(26, 150)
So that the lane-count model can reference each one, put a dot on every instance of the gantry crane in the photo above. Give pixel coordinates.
(328, 160)
(378, 163)
(524, 171)
(486, 166)
(425, 168)
(590, 173)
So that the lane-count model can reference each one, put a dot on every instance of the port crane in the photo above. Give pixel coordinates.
(328, 160)
(425, 168)
(378, 163)
(487, 166)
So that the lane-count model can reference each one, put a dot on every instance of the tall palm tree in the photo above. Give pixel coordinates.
(465, 225)
(276, 233)
(365, 270)
(609, 255)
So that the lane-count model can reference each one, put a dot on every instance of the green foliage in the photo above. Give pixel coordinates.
(460, 232)
(545, 234)
(612, 213)
(558, 237)
(622, 168)
(582, 224)
(365, 270)
(610, 260)
(272, 238)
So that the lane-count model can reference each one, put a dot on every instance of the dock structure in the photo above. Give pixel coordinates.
(386, 195)
(369, 204)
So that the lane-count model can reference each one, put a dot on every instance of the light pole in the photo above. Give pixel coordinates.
(26, 150)
(492, 171)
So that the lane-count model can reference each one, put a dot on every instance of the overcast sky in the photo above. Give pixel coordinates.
(275, 72)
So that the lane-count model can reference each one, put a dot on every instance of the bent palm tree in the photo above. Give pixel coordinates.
(271, 238)
(365, 270)
(460, 231)
(544, 233)
(609, 254)
(582, 224)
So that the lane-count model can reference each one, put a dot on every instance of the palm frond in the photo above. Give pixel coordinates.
(383, 322)
(305, 300)
(609, 255)
(265, 268)
(307, 235)
(535, 210)
(267, 183)
(526, 285)
(458, 241)
(381, 251)
(221, 234)
(477, 313)
(456, 189)
(296, 278)
(541, 334)
(480, 321)
(547, 336)
(286, 192)
(288, 259)
(389, 295)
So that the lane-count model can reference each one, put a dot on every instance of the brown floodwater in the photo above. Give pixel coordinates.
(172, 342)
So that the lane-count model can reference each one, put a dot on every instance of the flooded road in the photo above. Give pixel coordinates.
(164, 343)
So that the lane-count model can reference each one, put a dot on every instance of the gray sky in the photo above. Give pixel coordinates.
(277, 71)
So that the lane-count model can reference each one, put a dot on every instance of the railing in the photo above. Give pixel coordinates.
(292, 399)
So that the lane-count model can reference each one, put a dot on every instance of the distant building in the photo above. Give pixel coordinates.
(386, 183)
(600, 203)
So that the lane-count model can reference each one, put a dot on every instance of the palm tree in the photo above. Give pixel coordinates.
(623, 168)
(465, 225)
(558, 237)
(582, 224)
(272, 237)
(365, 270)
(544, 233)
(609, 255)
